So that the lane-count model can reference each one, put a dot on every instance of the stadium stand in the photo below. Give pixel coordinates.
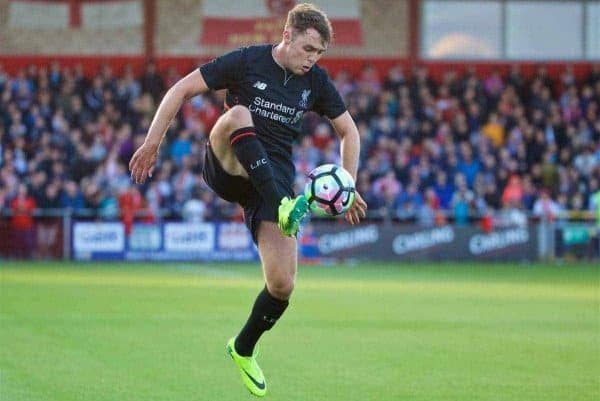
(463, 147)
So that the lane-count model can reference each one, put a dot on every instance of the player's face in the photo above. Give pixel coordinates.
(304, 50)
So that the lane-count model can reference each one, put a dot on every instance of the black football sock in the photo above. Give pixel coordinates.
(267, 309)
(253, 157)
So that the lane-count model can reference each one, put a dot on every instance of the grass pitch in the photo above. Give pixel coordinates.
(379, 332)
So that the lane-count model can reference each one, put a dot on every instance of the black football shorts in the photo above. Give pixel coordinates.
(239, 190)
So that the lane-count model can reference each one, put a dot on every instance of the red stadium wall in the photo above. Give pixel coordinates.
(12, 64)
(183, 64)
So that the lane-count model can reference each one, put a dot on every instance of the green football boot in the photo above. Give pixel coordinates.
(291, 211)
(252, 375)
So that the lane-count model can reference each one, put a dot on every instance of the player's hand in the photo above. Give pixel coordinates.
(143, 162)
(357, 211)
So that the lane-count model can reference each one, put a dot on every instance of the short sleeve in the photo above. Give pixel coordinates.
(329, 102)
(224, 71)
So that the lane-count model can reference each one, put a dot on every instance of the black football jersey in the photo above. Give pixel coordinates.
(276, 98)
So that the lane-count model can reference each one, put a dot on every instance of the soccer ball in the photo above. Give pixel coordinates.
(329, 190)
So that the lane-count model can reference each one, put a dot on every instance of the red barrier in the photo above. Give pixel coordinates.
(44, 241)
(183, 65)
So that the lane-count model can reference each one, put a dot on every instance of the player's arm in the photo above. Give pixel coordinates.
(350, 148)
(143, 161)
(349, 142)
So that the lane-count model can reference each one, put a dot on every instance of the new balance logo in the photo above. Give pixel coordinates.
(260, 85)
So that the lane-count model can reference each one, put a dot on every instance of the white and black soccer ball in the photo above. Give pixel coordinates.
(329, 190)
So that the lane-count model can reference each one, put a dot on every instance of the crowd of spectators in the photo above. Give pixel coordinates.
(492, 146)
(466, 146)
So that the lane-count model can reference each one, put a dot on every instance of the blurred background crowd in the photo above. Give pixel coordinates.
(497, 148)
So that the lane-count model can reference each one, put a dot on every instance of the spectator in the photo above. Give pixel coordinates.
(194, 209)
(343, 83)
(408, 203)
(3, 78)
(181, 147)
(108, 206)
(429, 214)
(3, 198)
(443, 189)
(461, 202)
(595, 206)
(72, 197)
(513, 193)
(387, 184)
(586, 162)
(545, 208)
(494, 85)
(152, 82)
(132, 207)
(51, 197)
(21, 223)
(468, 166)
(94, 96)
(494, 130)
(322, 137)
(529, 193)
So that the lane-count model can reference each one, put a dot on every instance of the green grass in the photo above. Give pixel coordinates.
(404, 332)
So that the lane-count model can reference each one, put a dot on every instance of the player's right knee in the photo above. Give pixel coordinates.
(235, 118)
(239, 116)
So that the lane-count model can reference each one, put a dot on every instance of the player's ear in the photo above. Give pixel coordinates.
(287, 36)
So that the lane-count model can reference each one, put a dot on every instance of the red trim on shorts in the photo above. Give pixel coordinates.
(238, 136)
